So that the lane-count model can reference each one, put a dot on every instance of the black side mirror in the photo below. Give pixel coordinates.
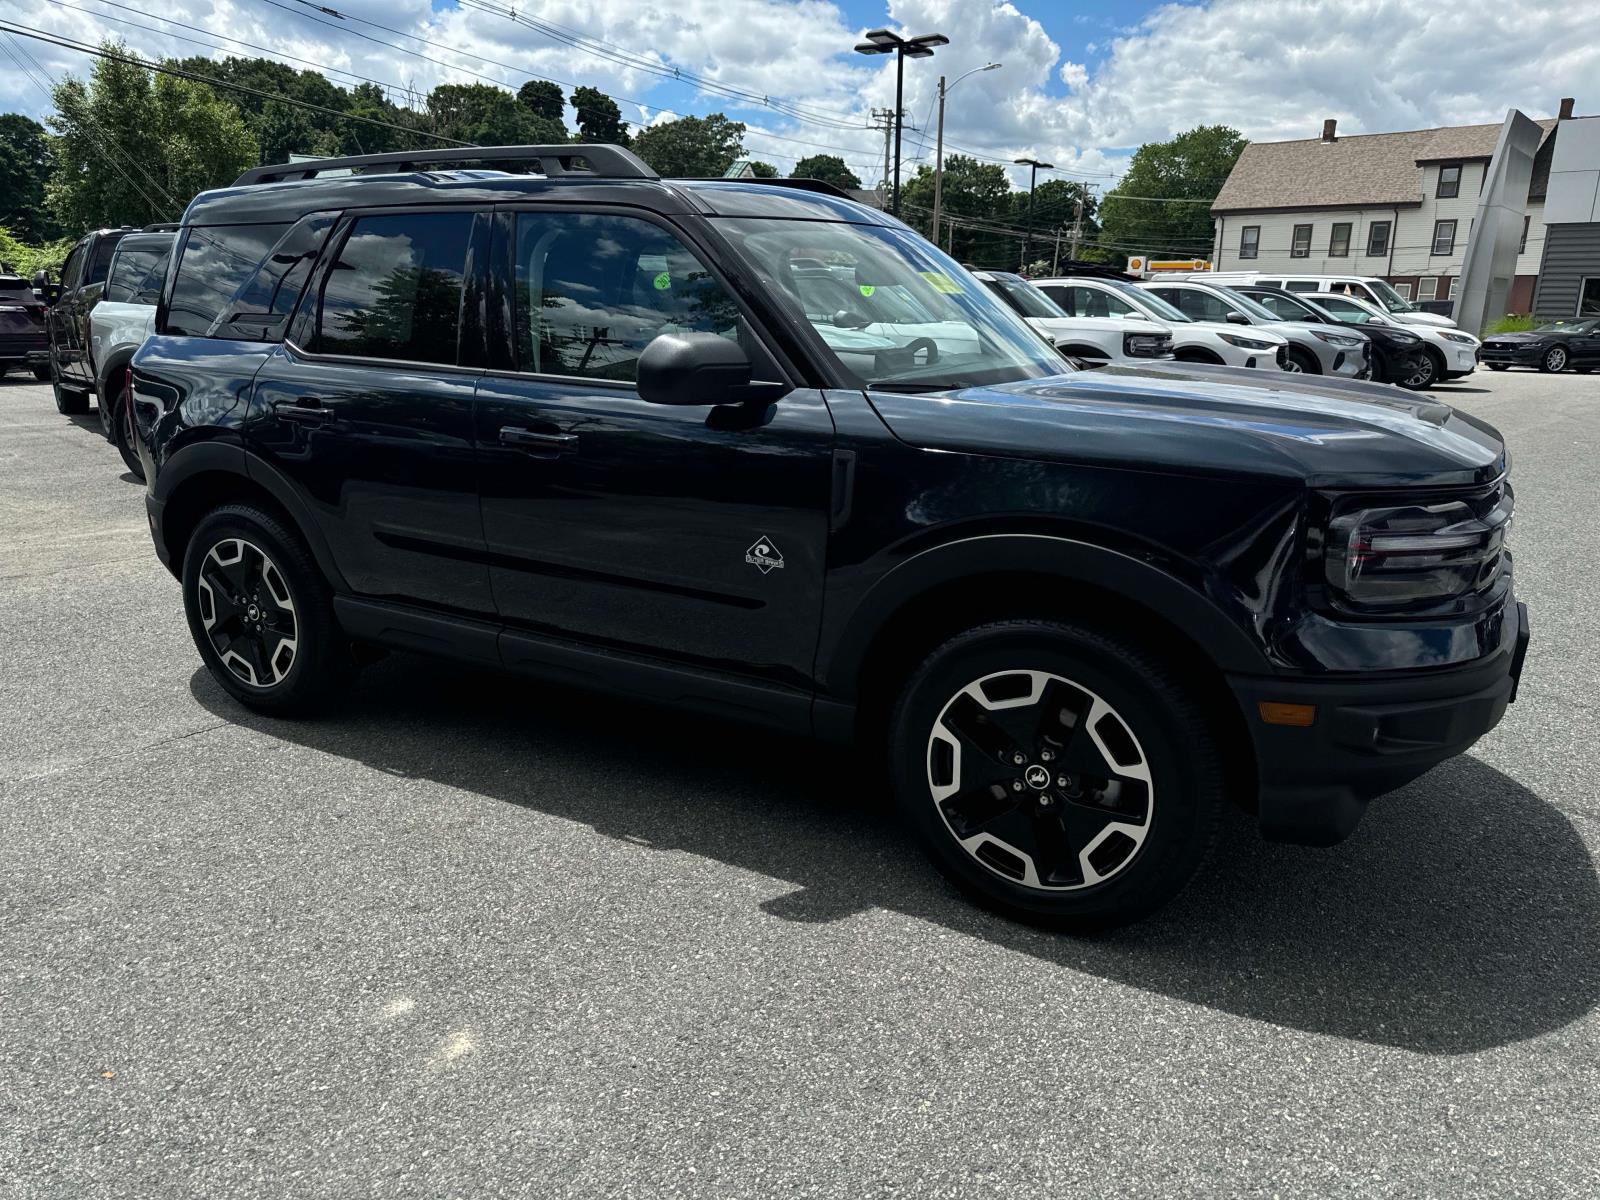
(41, 279)
(50, 293)
(1237, 318)
(700, 369)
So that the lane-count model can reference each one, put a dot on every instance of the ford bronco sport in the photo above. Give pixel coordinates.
(580, 424)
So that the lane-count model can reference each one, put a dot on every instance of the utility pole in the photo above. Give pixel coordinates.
(938, 155)
(1077, 226)
(883, 118)
(1055, 261)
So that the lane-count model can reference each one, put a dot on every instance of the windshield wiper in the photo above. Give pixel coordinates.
(911, 388)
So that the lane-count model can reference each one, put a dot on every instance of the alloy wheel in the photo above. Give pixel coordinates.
(1423, 375)
(1290, 365)
(248, 612)
(1040, 780)
(1556, 359)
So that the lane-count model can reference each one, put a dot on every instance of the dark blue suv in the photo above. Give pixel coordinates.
(763, 452)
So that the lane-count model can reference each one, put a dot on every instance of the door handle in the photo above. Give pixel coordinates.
(542, 445)
(309, 413)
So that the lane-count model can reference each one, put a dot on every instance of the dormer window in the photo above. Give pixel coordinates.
(1449, 181)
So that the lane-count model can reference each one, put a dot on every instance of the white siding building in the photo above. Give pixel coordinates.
(1396, 205)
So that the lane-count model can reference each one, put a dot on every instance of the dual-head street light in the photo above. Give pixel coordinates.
(881, 41)
(1033, 177)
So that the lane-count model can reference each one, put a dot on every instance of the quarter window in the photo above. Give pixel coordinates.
(1301, 246)
(214, 261)
(594, 290)
(1378, 239)
(1249, 241)
(1444, 237)
(1339, 240)
(101, 262)
(265, 303)
(1449, 181)
(395, 289)
(1078, 301)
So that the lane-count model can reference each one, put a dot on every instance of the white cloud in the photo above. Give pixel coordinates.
(1074, 75)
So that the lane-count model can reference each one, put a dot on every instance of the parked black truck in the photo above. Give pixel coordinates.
(579, 425)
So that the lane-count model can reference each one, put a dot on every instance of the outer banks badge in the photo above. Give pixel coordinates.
(764, 555)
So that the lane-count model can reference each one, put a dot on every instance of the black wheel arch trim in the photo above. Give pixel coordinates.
(1229, 646)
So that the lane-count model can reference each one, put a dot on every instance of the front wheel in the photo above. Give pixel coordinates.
(1055, 773)
(261, 614)
(1300, 361)
(1554, 360)
(70, 402)
(1425, 374)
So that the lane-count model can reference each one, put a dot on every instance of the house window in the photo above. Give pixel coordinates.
(1444, 237)
(1339, 242)
(1522, 246)
(1249, 241)
(1427, 288)
(1378, 239)
(1404, 289)
(1454, 280)
(1301, 247)
(1449, 181)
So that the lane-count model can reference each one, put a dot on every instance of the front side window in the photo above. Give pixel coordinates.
(136, 274)
(395, 290)
(593, 290)
(1378, 239)
(100, 262)
(71, 268)
(1301, 246)
(1449, 181)
(1444, 237)
(214, 261)
(964, 334)
(1196, 304)
(1249, 241)
(1339, 240)
(1080, 301)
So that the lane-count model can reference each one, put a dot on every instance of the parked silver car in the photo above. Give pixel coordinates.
(1342, 353)
(118, 326)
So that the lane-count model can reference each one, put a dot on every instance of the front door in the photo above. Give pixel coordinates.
(694, 533)
(63, 341)
(366, 409)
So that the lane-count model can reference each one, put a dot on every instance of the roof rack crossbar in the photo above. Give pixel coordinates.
(603, 162)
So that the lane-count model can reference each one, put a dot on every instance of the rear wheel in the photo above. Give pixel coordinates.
(122, 431)
(70, 401)
(1496, 366)
(1055, 773)
(261, 614)
(42, 374)
(1554, 361)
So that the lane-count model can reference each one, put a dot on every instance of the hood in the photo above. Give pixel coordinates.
(1055, 327)
(1526, 335)
(1186, 417)
(1425, 318)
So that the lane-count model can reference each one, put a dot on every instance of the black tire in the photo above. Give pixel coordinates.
(1583, 370)
(1555, 360)
(1428, 375)
(122, 431)
(1304, 361)
(320, 664)
(4, 367)
(70, 402)
(42, 374)
(1497, 366)
(105, 409)
(1162, 726)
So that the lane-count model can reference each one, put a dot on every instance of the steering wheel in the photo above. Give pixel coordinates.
(923, 344)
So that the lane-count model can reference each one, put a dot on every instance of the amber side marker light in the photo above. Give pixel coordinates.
(1287, 714)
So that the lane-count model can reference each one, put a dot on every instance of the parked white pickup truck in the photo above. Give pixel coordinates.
(118, 325)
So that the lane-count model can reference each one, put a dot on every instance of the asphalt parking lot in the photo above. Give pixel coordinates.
(469, 937)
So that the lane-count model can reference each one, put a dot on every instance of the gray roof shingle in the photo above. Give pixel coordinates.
(1361, 169)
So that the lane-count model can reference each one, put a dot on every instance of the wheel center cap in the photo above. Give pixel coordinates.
(253, 613)
(1037, 777)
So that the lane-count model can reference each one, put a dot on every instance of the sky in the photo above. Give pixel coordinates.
(1081, 83)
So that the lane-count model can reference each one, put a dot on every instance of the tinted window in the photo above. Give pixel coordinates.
(70, 268)
(594, 290)
(1080, 301)
(1302, 285)
(263, 306)
(136, 273)
(215, 260)
(1195, 304)
(395, 289)
(101, 262)
(1281, 307)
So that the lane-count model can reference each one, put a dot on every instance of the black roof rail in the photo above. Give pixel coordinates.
(604, 162)
(821, 187)
(162, 227)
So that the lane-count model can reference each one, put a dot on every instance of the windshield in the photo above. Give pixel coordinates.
(1392, 300)
(1150, 303)
(1568, 327)
(893, 310)
(1347, 308)
(1025, 298)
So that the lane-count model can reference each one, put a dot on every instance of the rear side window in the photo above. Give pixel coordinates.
(136, 274)
(216, 260)
(263, 306)
(100, 263)
(395, 289)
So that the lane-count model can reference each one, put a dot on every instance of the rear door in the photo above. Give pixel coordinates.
(692, 533)
(58, 318)
(365, 410)
(79, 366)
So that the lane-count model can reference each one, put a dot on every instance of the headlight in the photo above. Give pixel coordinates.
(1337, 339)
(1403, 339)
(1383, 558)
(1464, 338)
(1244, 343)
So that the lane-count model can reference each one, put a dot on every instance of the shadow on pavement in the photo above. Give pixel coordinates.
(1464, 915)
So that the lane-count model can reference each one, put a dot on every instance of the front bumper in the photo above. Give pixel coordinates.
(1460, 360)
(1514, 355)
(1368, 737)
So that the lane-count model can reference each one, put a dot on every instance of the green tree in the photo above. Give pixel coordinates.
(599, 118)
(131, 149)
(691, 147)
(763, 170)
(488, 116)
(1192, 166)
(829, 168)
(25, 162)
(972, 191)
(1055, 210)
(544, 99)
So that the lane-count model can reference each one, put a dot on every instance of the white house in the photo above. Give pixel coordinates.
(1395, 205)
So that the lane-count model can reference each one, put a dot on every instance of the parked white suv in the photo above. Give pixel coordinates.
(1129, 338)
(1340, 353)
(1452, 353)
(1370, 288)
(119, 324)
(1192, 341)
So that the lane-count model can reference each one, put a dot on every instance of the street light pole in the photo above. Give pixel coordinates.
(1033, 178)
(881, 41)
(938, 154)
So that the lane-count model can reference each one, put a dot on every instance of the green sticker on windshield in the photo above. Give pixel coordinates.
(663, 282)
(867, 289)
(941, 282)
